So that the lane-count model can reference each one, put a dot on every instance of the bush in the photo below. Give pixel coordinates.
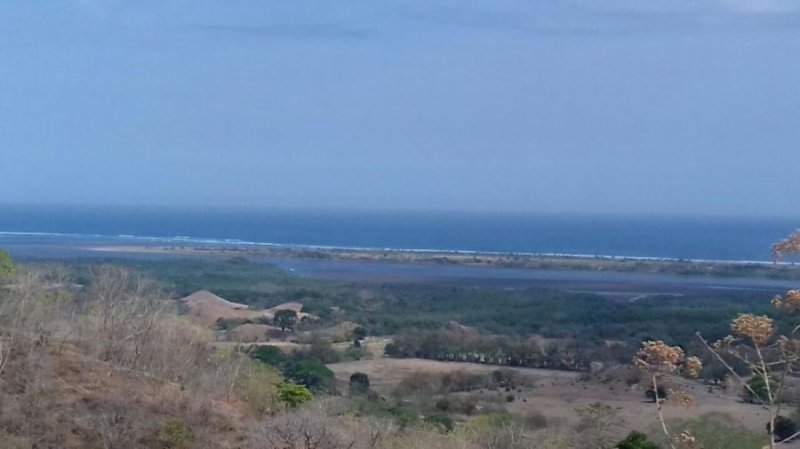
(320, 350)
(173, 434)
(269, 355)
(354, 353)
(404, 417)
(784, 428)
(293, 395)
(443, 421)
(359, 384)
(506, 378)
(720, 431)
(636, 440)
(359, 333)
(256, 387)
(651, 394)
(314, 375)
(536, 420)
(393, 350)
(759, 387)
(6, 263)
(465, 405)
(285, 318)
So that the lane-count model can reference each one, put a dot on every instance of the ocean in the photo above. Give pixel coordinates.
(29, 231)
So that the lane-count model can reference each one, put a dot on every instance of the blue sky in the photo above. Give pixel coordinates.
(614, 106)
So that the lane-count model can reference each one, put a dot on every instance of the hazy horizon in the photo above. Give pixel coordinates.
(665, 107)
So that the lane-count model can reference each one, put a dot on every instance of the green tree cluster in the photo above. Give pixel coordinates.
(293, 395)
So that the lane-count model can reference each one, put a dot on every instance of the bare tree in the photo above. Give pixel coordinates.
(312, 428)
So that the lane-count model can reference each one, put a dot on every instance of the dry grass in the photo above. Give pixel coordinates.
(558, 394)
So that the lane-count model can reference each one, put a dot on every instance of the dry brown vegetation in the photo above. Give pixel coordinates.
(113, 366)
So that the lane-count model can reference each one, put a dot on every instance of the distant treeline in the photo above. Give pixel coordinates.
(503, 320)
(496, 350)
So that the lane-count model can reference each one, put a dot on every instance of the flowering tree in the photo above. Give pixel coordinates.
(658, 359)
(771, 357)
(790, 245)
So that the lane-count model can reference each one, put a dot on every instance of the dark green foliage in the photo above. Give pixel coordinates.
(269, 355)
(443, 421)
(759, 387)
(314, 375)
(286, 319)
(359, 333)
(784, 428)
(354, 353)
(359, 384)
(6, 263)
(651, 394)
(636, 440)
(420, 312)
(404, 417)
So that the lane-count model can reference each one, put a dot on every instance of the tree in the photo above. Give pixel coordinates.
(636, 440)
(269, 355)
(359, 333)
(6, 263)
(359, 384)
(790, 245)
(285, 318)
(598, 426)
(314, 375)
(293, 395)
(755, 342)
(757, 391)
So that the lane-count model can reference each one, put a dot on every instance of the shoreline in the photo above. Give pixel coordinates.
(133, 243)
(571, 262)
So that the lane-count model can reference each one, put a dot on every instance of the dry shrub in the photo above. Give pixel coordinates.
(30, 315)
(427, 439)
(599, 426)
(496, 431)
(118, 425)
(535, 420)
(129, 324)
(312, 428)
(257, 386)
(52, 396)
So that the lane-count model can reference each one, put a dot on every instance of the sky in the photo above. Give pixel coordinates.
(622, 106)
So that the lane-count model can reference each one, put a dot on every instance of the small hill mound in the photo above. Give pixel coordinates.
(206, 308)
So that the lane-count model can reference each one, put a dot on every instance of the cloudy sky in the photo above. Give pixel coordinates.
(658, 106)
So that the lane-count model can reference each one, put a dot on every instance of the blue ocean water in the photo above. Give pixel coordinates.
(722, 238)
